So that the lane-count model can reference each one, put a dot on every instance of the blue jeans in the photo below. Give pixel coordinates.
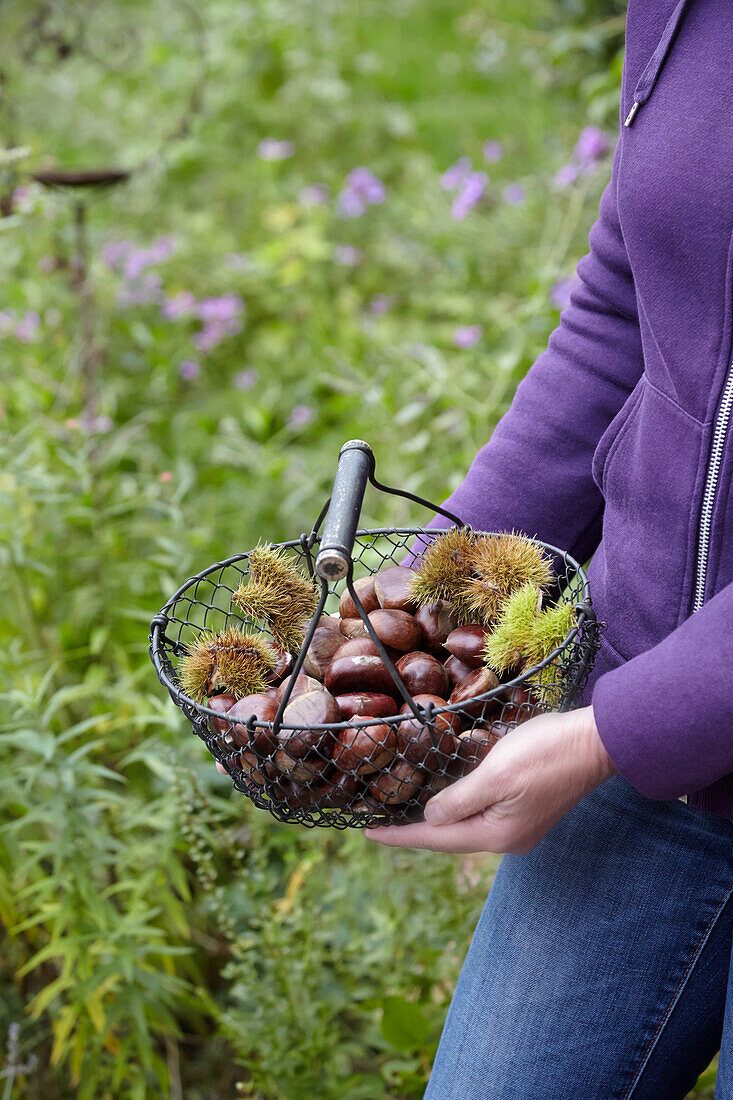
(600, 966)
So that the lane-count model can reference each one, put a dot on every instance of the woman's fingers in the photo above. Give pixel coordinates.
(220, 768)
(484, 832)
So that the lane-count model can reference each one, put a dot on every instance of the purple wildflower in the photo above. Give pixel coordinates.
(565, 176)
(347, 255)
(115, 253)
(456, 174)
(361, 189)
(182, 304)
(189, 369)
(224, 308)
(561, 291)
(246, 379)
(469, 193)
(514, 194)
(300, 416)
(27, 330)
(467, 335)
(142, 293)
(381, 303)
(315, 194)
(47, 264)
(591, 145)
(7, 320)
(272, 149)
(493, 152)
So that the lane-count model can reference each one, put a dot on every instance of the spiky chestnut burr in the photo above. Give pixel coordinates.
(444, 569)
(500, 565)
(525, 635)
(229, 659)
(278, 593)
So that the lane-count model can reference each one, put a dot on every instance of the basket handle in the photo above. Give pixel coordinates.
(355, 464)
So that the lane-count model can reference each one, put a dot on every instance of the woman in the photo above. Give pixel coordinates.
(599, 968)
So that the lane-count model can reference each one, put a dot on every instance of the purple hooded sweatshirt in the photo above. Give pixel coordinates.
(619, 442)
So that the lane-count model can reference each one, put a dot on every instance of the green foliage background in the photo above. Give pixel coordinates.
(161, 938)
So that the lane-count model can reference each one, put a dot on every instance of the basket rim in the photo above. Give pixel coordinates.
(157, 645)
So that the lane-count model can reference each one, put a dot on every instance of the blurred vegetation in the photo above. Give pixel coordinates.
(183, 355)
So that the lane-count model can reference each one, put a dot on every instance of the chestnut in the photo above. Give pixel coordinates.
(338, 793)
(467, 643)
(393, 587)
(478, 682)
(398, 783)
(283, 664)
(302, 686)
(300, 753)
(330, 622)
(457, 670)
(324, 643)
(422, 745)
(436, 620)
(423, 674)
(255, 770)
(396, 628)
(366, 749)
(264, 709)
(360, 703)
(294, 795)
(469, 755)
(358, 647)
(365, 591)
(221, 704)
(353, 628)
(366, 673)
(518, 705)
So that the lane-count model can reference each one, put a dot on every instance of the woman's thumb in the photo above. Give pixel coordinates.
(462, 799)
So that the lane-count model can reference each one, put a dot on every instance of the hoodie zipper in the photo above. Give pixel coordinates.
(715, 459)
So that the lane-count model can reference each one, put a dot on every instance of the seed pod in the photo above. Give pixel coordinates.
(518, 706)
(353, 628)
(360, 673)
(457, 670)
(477, 682)
(365, 591)
(220, 703)
(365, 750)
(437, 620)
(302, 686)
(399, 783)
(264, 709)
(393, 588)
(467, 644)
(396, 628)
(423, 674)
(366, 702)
(324, 643)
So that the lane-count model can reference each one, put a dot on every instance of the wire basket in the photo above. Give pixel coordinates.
(367, 770)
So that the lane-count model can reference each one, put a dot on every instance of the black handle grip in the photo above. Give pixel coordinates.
(356, 462)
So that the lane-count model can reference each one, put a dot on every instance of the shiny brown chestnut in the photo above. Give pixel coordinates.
(353, 628)
(518, 706)
(330, 622)
(302, 686)
(366, 750)
(457, 670)
(393, 588)
(338, 793)
(372, 703)
(365, 591)
(396, 628)
(302, 753)
(437, 620)
(423, 674)
(478, 682)
(255, 770)
(467, 643)
(283, 663)
(421, 745)
(324, 644)
(398, 783)
(221, 704)
(365, 672)
(264, 709)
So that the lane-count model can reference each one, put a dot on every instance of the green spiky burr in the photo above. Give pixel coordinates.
(500, 564)
(229, 659)
(444, 570)
(278, 593)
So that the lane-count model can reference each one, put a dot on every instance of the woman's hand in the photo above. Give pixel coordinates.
(529, 780)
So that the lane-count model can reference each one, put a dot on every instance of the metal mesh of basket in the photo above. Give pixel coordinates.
(366, 770)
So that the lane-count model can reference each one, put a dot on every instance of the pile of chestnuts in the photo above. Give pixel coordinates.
(378, 757)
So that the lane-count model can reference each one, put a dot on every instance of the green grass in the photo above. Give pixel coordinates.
(161, 936)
